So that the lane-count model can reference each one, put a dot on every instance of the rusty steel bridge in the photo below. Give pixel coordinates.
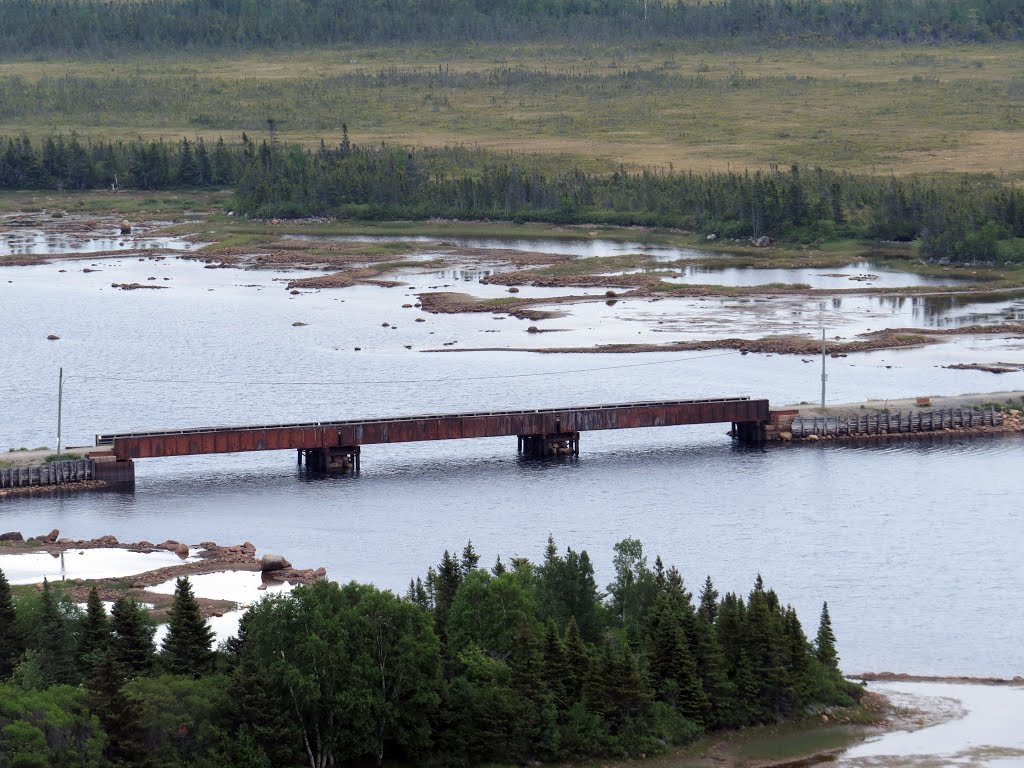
(335, 445)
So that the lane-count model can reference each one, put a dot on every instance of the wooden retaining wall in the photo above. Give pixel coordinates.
(895, 423)
(49, 474)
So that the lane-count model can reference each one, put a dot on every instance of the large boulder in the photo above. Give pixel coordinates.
(12, 536)
(181, 550)
(273, 563)
(51, 536)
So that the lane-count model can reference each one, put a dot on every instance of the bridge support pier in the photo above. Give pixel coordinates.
(749, 432)
(331, 459)
(550, 444)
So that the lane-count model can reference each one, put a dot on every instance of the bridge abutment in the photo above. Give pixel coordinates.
(749, 432)
(110, 469)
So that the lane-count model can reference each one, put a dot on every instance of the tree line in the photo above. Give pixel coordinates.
(969, 218)
(516, 663)
(99, 26)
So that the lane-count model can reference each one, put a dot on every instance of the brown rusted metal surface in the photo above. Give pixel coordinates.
(407, 429)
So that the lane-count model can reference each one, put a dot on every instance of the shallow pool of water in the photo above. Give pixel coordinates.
(984, 728)
(36, 242)
(862, 274)
(33, 567)
(242, 587)
(566, 247)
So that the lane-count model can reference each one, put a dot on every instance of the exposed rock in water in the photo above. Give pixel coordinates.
(137, 286)
(53, 337)
(12, 536)
(299, 324)
(126, 227)
(181, 550)
(273, 563)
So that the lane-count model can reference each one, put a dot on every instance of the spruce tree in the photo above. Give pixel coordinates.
(54, 640)
(555, 667)
(132, 639)
(446, 582)
(798, 655)
(577, 659)
(825, 643)
(118, 714)
(673, 670)
(94, 634)
(708, 608)
(186, 647)
(10, 643)
(470, 559)
(712, 670)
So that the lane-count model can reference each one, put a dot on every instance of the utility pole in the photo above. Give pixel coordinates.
(60, 404)
(824, 376)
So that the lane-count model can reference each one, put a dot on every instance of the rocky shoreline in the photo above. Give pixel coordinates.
(213, 558)
(903, 677)
(37, 490)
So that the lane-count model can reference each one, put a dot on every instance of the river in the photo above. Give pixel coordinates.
(916, 546)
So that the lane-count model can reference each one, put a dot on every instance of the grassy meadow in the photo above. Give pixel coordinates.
(877, 108)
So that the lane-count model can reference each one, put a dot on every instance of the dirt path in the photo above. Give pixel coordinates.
(966, 401)
(38, 456)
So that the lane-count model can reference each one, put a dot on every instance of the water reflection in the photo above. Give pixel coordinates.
(45, 243)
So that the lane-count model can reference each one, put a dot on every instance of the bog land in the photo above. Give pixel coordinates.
(879, 107)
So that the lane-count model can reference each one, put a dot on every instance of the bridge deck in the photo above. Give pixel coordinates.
(404, 429)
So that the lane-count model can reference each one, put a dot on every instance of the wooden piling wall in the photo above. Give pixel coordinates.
(55, 473)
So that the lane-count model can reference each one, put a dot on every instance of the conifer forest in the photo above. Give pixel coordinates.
(519, 662)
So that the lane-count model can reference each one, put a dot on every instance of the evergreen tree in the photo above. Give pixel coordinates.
(446, 583)
(470, 559)
(131, 642)
(711, 667)
(54, 640)
(673, 671)
(11, 645)
(187, 645)
(555, 666)
(94, 634)
(118, 714)
(825, 642)
(204, 169)
(708, 608)
(577, 659)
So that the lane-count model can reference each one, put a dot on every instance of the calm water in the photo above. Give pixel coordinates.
(916, 547)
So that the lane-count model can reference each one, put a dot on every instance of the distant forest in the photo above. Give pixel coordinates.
(976, 218)
(99, 26)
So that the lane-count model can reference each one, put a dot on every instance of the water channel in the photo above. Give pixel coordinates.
(916, 546)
